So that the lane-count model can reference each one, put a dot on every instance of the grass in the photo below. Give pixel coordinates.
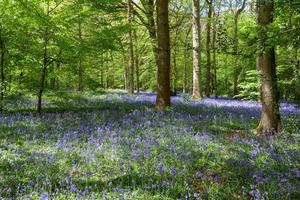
(107, 145)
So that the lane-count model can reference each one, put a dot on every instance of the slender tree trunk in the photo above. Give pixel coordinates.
(102, 71)
(80, 70)
(107, 73)
(186, 51)
(214, 37)
(163, 74)
(174, 63)
(112, 76)
(126, 81)
(136, 63)
(297, 74)
(43, 71)
(2, 78)
(174, 73)
(44, 66)
(226, 75)
(53, 78)
(236, 53)
(235, 67)
(197, 93)
(130, 52)
(184, 86)
(57, 77)
(208, 47)
(270, 117)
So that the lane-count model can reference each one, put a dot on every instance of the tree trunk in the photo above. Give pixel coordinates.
(208, 43)
(270, 117)
(186, 51)
(44, 66)
(80, 70)
(174, 63)
(107, 74)
(214, 37)
(53, 78)
(235, 67)
(197, 94)
(43, 71)
(57, 77)
(163, 74)
(2, 78)
(236, 53)
(130, 52)
(136, 63)
(102, 71)
(297, 74)
(112, 76)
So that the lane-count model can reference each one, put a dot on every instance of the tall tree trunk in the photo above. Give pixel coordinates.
(126, 83)
(184, 85)
(102, 71)
(107, 72)
(236, 53)
(44, 66)
(174, 73)
(174, 62)
(112, 76)
(208, 47)
(163, 73)
(130, 51)
(57, 77)
(2, 78)
(80, 69)
(43, 70)
(53, 78)
(297, 75)
(136, 63)
(270, 117)
(214, 39)
(186, 51)
(197, 93)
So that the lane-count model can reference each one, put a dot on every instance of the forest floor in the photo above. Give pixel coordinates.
(113, 146)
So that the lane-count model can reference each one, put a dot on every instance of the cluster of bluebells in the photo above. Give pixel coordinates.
(125, 146)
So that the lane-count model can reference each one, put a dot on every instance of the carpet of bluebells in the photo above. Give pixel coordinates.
(114, 146)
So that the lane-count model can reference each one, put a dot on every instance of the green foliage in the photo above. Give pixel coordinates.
(101, 50)
(249, 88)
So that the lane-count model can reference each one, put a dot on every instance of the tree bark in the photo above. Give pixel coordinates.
(44, 66)
(236, 53)
(58, 64)
(197, 93)
(163, 73)
(80, 70)
(130, 51)
(297, 75)
(136, 63)
(2, 77)
(102, 71)
(208, 47)
(214, 40)
(186, 51)
(174, 63)
(43, 71)
(270, 117)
